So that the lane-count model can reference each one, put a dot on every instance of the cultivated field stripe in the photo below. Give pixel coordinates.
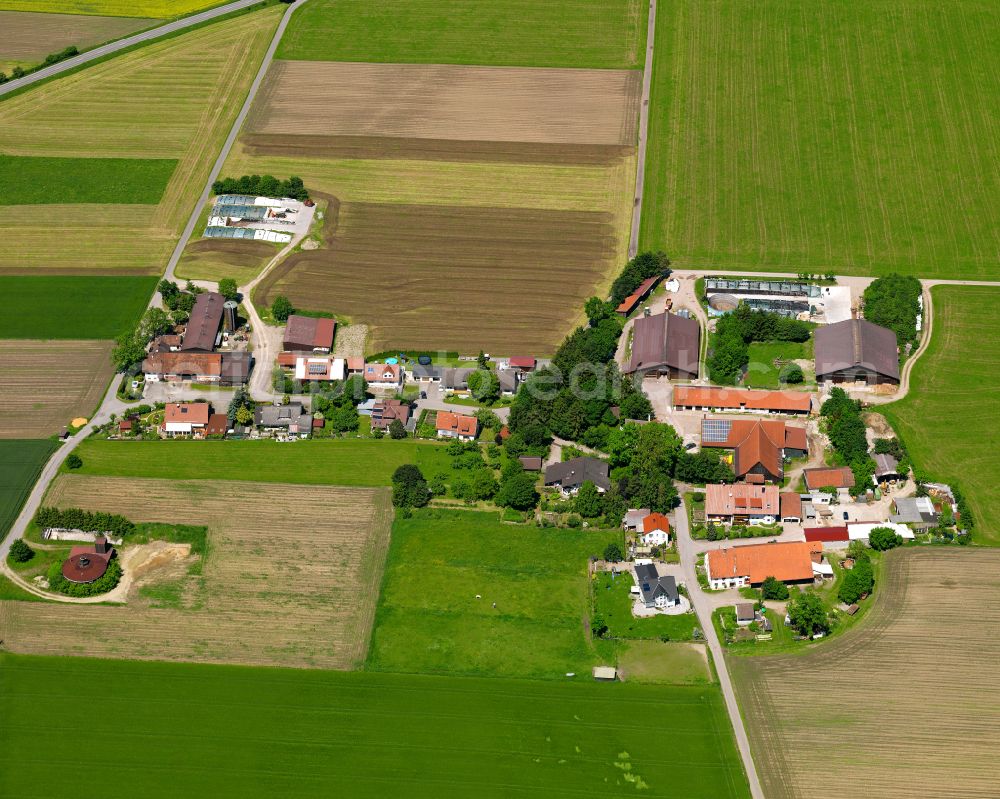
(26, 36)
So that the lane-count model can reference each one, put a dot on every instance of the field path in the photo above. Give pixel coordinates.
(640, 170)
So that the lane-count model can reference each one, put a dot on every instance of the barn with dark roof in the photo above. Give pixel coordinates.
(856, 350)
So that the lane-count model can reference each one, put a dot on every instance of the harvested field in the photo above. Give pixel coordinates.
(26, 36)
(291, 577)
(144, 8)
(452, 277)
(47, 383)
(552, 106)
(930, 639)
(175, 98)
(214, 259)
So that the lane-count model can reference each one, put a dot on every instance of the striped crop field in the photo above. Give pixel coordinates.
(857, 138)
(174, 99)
(27, 36)
(948, 420)
(161, 9)
(880, 710)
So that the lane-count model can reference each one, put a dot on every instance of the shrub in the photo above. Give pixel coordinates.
(74, 461)
(792, 374)
(613, 553)
(20, 552)
(773, 588)
(409, 488)
(883, 538)
(282, 308)
(102, 585)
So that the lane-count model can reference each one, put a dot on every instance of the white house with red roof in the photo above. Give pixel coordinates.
(655, 530)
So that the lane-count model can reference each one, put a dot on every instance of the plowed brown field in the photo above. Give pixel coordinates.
(45, 384)
(560, 106)
(26, 36)
(452, 277)
(291, 577)
(214, 259)
(906, 705)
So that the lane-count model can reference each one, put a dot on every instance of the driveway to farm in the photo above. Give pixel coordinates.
(640, 170)
(704, 605)
(125, 43)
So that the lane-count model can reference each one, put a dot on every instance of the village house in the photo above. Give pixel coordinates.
(530, 463)
(759, 446)
(916, 511)
(319, 369)
(839, 477)
(224, 368)
(291, 418)
(384, 412)
(633, 519)
(856, 350)
(741, 400)
(456, 425)
(388, 376)
(656, 591)
(746, 613)
(186, 419)
(655, 530)
(308, 334)
(569, 475)
(790, 505)
(742, 503)
(202, 331)
(790, 562)
(665, 345)
(523, 363)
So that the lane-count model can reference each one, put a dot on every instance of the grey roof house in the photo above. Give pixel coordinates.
(665, 344)
(856, 350)
(916, 511)
(656, 591)
(292, 417)
(570, 475)
(634, 517)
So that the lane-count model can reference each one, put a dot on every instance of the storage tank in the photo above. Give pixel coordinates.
(229, 316)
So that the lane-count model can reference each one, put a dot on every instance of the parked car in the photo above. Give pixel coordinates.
(845, 516)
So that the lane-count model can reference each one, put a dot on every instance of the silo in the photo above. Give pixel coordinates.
(229, 316)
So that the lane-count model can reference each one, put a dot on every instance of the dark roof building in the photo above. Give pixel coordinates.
(385, 411)
(531, 463)
(570, 475)
(653, 587)
(203, 326)
(87, 563)
(292, 417)
(665, 344)
(856, 350)
(309, 334)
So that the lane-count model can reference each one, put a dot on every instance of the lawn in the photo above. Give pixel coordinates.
(34, 180)
(21, 461)
(608, 34)
(948, 419)
(116, 8)
(762, 372)
(429, 619)
(49, 306)
(194, 730)
(347, 462)
(837, 136)
(613, 603)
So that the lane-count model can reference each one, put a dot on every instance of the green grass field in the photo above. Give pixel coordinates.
(347, 462)
(32, 180)
(45, 307)
(838, 136)
(613, 603)
(21, 461)
(948, 420)
(429, 619)
(189, 730)
(609, 34)
(762, 372)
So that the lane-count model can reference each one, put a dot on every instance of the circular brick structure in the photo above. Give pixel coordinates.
(84, 567)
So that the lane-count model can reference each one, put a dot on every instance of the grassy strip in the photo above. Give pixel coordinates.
(32, 180)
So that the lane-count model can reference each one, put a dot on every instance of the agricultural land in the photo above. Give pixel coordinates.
(260, 597)
(215, 259)
(859, 138)
(162, 9)
(958, 379)
(174, 99)
(35, 408)
(605, 34)
(287, 732)
(21, 462)
(29, 37)
(924, 636)
(31, 180)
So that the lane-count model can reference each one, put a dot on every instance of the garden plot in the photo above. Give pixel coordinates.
(290, 579)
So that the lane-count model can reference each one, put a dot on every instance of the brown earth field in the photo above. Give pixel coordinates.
(555, 106)
(291, 577)
(27, 36)
(45, 384)
(452, 277)
(907, 704)
(214, 259)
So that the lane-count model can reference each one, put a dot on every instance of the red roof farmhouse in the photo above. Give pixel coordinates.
(790, 562)
(710, 398)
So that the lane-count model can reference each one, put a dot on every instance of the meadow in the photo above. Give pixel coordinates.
(290, 576)
(606, 34)
(173, 99)
(613, 603)
(21, 461)
(162, 9)
(347, 462)
(430, 620)
(948, 419)
(857, 138)
(34, 180)
(30, 404)
(51, 306)
(27, 36)
(222, 731)
(762, 372)
(928, 637)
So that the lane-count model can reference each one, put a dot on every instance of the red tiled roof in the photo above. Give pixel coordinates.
(725, 500)
(183, 363)
(739, 398)
(787, 561)
(309, 332)
(522, 362)
(655, 521)
(355, 364)
(382, 372)
(287, 359)
(195, 413)
(791, 504)
(828, 534)
(840, 477)
(457, 423)
(759, 441)
(218, 423)
(633, 299)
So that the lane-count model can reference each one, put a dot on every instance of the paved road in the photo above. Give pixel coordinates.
(122, 44)
(703, 607)
(640, 173)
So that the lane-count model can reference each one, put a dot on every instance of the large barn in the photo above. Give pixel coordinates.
(856, 350)
(665, 345)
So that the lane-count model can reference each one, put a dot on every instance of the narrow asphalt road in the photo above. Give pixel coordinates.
(123, 44)
(640, 170)
(703, 609)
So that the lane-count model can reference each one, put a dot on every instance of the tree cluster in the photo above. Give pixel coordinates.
(88, 521)
(282, 308)
(846, 430)
(130, 348)
(409, 488)
(882, 538)
(734, 332)
(480, 483)
(642, 267)
(772, 588)
(20, 552)
(808, 614)
(705, 466)
(893, 302)
(52, 58)
(262, 186)
(101, 585)
(338, 403)
(241, 407)
(484, 385)
(858, 581)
